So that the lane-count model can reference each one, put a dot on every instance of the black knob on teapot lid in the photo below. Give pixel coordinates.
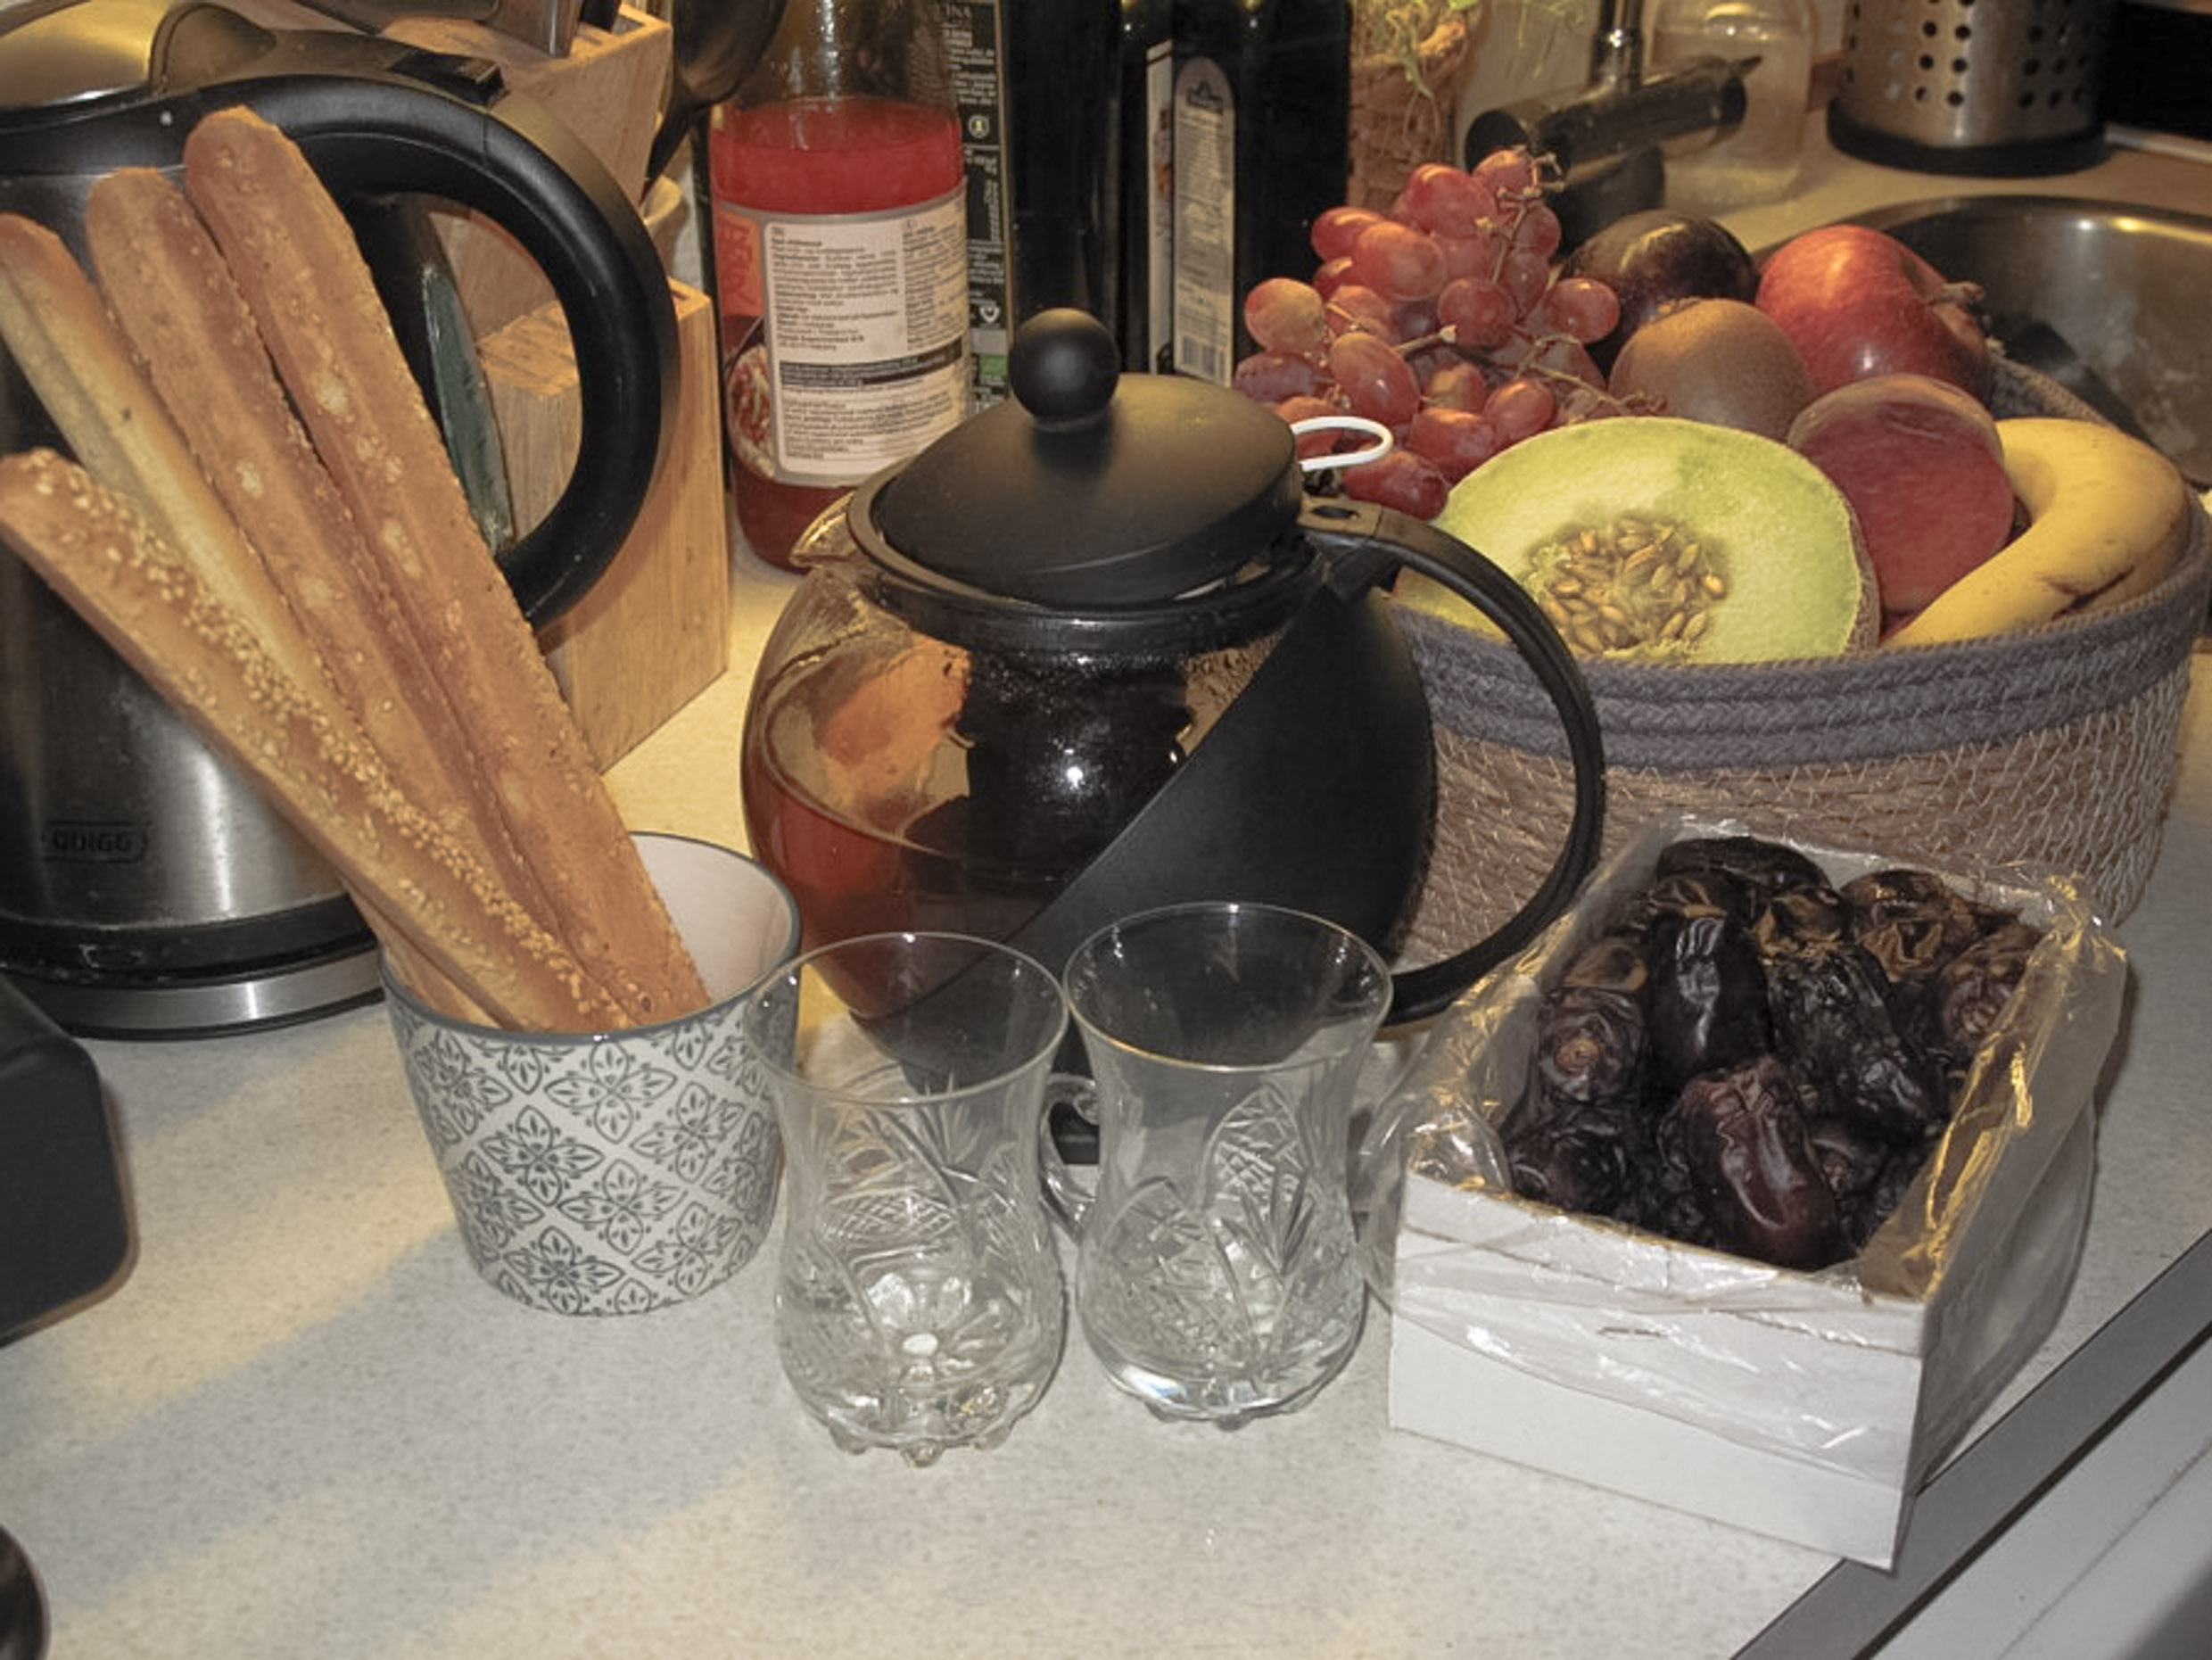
(1090, 487)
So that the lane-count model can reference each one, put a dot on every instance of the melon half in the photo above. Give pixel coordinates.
(1794, 577)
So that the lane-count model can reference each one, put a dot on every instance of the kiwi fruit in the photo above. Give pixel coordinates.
(1720, 361)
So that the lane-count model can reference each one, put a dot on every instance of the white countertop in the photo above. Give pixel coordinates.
(303, 1427)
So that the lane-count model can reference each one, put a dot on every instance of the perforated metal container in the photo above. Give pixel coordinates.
(1996, 87)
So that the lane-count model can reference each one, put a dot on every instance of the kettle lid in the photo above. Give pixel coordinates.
(1090, 487)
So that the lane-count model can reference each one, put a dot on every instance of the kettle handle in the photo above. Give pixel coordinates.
(1366, 543)
(517, 166)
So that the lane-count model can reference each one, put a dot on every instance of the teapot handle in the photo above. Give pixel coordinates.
(1366, 543)
(369, 137)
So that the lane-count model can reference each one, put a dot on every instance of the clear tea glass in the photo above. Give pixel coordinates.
(918, 1300)
(1217, 1277)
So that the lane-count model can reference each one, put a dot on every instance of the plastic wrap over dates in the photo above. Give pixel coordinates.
(1750, 1059)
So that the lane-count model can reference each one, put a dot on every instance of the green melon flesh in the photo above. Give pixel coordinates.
(1799, 584)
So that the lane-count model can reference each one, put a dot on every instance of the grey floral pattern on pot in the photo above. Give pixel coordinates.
(599, 1175)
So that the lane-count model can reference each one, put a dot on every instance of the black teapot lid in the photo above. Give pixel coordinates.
(1090, 487)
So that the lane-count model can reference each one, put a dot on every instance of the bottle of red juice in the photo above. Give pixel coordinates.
(840, 260)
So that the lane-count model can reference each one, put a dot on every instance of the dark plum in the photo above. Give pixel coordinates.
(1655, 257)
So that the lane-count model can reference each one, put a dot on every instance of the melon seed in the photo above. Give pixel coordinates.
(1635, 587)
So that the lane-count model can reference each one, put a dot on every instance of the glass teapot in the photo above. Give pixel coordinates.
(1097, 650)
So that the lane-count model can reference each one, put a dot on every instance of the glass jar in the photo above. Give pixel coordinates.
(1758, 161)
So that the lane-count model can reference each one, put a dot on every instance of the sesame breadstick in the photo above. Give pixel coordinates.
(302, 276)
(92, 545)
(180, 308)
(61, 336)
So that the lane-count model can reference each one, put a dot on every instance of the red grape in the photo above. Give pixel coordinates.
(1589, 403)
(1355, 306)
(1510, 172)
(1376, 380)
(1332, 274)
(1456, 441)
(1282, 314)
(1444, 201)
(1401, 480)
(1336, 229)
(1413, 319)
(1580, 307)
(1556, 354)
(1537, 230)
(1457, 384)
(1524, 276)
(1399, 260)
(1426, 356)
(1521, 408)
(1479, 313)
(1271, 376)
(1473, 256)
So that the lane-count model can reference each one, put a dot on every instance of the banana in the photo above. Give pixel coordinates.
(2107, 516)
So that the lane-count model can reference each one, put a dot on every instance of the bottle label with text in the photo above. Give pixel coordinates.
(1205, 222)
(861, 356)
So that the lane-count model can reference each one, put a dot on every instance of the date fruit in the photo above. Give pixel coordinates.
(1749, 1059)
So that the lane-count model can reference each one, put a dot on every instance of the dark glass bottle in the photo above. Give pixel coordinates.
(1262, 136)
(1140, 274)
(1037, 91)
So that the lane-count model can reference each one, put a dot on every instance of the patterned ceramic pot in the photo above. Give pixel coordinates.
(616, 1172)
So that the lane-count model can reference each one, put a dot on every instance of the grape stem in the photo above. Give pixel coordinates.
(1531, 370)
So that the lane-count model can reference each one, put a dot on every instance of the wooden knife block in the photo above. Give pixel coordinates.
(606, 92)
(653, 631)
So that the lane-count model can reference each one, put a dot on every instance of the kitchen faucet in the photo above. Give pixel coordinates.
(1603, 136)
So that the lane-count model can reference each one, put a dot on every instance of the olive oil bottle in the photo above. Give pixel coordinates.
(1262, 118)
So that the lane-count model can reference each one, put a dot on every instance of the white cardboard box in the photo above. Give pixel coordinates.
(1806, 1406)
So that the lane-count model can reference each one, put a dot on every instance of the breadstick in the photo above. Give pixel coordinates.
(71, 352)
(318, 312)
(178, 307)
(152, 607)
(53, 320)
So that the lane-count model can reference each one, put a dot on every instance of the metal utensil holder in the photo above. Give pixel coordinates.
(1988, 88)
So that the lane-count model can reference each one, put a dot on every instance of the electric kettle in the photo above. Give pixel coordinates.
(1098, 649)
(144, 887)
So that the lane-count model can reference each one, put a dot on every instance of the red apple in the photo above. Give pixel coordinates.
(1923, 467)
(1856, 303)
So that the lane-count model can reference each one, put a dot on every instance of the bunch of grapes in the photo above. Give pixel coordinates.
(1441, 320)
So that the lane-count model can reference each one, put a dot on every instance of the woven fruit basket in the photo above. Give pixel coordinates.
(2054, 746)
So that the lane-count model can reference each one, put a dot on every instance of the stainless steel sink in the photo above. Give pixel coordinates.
(2128, 289)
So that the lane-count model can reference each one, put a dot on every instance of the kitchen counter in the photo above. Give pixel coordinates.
(303, 1427)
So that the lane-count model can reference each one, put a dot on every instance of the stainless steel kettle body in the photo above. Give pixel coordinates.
(145, 889)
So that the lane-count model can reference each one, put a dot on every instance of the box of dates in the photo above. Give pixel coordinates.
(1746, 1188)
